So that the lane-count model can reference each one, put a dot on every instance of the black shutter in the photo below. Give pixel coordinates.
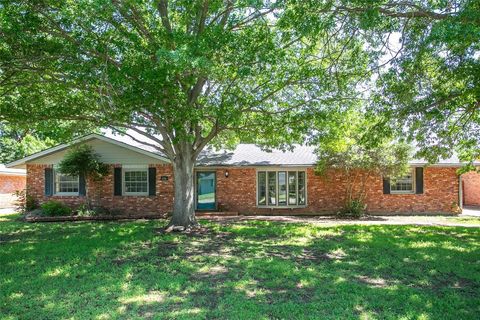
(48, 182)
(81, 185)
(419, 180)
(152, 181)
(117, 181)
(386, 185)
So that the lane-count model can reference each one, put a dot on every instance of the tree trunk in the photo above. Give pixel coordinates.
(184, 204)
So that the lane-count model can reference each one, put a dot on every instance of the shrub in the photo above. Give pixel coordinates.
(55, 208)
(25, 202)
(354, 208)
(85, 211)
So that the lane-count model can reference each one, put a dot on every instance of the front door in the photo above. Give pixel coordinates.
(206, 185)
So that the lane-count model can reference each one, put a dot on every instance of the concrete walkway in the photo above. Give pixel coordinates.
(464, 220)
(449, 221)
(7, 211)
(470, 212)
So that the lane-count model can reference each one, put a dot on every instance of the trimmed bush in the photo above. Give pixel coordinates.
(55, 208)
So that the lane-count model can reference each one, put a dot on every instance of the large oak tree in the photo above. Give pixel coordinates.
(181, 74)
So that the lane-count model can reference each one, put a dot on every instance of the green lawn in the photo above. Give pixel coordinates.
(249, 270)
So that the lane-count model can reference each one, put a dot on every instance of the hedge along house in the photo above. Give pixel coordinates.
(246, 180)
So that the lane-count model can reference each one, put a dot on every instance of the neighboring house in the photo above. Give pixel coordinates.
(471, 189)
(246, 180)
(11, 180)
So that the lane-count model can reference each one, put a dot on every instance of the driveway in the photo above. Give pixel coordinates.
(7, 211)
(470, 212)
(7, 200)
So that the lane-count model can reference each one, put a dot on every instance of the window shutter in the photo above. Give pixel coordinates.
(117, 181)
(152, 181)
(419, 180)
(386, 185)
(82, 185)
(48, 182)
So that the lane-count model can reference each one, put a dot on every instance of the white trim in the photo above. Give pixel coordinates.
(61, 194)
(92, 136)
(14, 174)
(135, 169)
(414, 185)
(135, 166)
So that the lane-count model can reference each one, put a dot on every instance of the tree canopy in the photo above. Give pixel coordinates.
(183, 74)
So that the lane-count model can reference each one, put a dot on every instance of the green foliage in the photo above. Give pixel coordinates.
(54, 208)
(190, 72)
(359, 148)
(82, 160)
(353, 142)
(85, 211)
(432, 88)
(18, 143)
(18, 140)
(245, 270)
(181, 74)
(424, 62)
(388, 158)
(354, 208)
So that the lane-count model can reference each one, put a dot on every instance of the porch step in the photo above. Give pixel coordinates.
(216, 214)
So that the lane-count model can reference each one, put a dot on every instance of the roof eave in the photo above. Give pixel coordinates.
(21, 163)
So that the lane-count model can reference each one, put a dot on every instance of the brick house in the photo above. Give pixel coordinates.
(246, 180)
(11, 180)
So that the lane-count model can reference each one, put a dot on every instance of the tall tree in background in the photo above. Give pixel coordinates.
(16, 144)
(21, 140)
(425, 63)
(182, 74)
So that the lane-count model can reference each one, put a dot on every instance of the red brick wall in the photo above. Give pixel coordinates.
(101, 193)
(471, 189)
(440, 194)
(10, 184)
(237, 192)
(327, 194)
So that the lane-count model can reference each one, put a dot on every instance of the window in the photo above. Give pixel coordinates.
(272, 188)
(292, 188)
(135, 181)
(301, 188)
(402, 184)
(262, 188)
(66, 185)
(281, 188)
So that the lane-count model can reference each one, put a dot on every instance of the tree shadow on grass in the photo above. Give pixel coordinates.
(243, 270)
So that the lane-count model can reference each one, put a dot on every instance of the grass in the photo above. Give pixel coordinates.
(248, 270)
(463, 220)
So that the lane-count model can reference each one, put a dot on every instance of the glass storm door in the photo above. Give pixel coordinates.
(206, 186)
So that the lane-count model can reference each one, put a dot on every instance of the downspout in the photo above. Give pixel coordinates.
(460, 192)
